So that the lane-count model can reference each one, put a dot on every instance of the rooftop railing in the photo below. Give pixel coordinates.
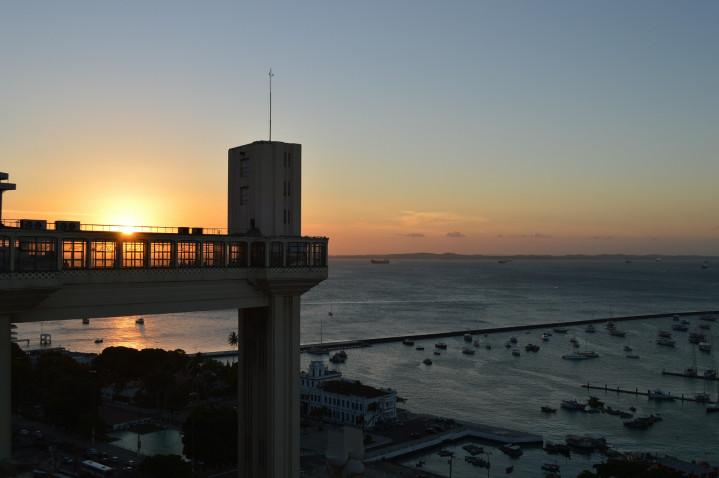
(54, 247)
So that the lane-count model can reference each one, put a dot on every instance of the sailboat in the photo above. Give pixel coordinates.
(319, 350)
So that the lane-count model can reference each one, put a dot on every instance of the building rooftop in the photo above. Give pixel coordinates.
(347, 387)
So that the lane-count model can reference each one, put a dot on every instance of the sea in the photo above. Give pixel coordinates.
(363, 300)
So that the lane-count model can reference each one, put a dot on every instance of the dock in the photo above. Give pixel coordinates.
(637, 392)
(348, 344)
(686, 375)
(467, 431)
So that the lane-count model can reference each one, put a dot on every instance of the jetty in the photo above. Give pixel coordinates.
(361, 343)
(637, 392)
(686, 375)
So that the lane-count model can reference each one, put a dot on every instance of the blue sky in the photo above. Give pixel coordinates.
(506, 121)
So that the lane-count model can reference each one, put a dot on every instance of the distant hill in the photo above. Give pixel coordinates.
(460, 257)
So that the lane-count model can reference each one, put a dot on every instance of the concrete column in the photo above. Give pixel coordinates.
(269, 393)
(5, 390)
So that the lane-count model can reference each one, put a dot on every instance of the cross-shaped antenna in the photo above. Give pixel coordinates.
(270, 74)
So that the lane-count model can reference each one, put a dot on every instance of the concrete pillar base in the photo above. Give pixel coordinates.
(5, 390)
(269, 393)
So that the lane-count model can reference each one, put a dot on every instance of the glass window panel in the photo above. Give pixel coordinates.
(73, 254)
(36, 254)
(133, 254)
(160, 254)
(103, 254)
(213, 254)
(187, 254)
(238, 254)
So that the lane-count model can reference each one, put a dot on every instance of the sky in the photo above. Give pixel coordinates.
(488, 127)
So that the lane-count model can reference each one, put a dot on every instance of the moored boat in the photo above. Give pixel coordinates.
(705, 346)
(408, 342)
(590, 329)
(467, 351)
(666, 342)
(660, 395)
(427, 361)
(441, 345)
(573, 405)
(513, 451)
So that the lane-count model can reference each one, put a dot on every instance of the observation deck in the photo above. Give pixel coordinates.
(64, 270)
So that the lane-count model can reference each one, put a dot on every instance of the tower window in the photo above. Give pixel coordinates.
(244, 195)
(244, 167)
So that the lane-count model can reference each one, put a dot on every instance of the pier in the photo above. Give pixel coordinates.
(686, 375)
(348, 344)
(637, 392)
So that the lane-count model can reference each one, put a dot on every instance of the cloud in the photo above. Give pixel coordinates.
(414, 219)
(536, 235)
(413, 234)
(455, 235)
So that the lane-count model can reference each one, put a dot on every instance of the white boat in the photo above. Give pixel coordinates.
(658, 394)
(545, 337)
(577, 356)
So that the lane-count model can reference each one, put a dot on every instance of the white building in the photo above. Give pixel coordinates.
(325, 394)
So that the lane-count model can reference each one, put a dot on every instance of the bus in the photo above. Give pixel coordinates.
(94, 469)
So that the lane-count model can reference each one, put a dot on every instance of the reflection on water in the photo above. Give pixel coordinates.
(163, 442)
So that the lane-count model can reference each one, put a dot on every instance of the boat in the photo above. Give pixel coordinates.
(557, 448)
(550, 467)
(99, 341)
(509, 469)
(476, 343)
(690, 372)
(467, 337)
(379, 261)
(513, 340)
(666, 342)
(140, 321)
(579, 356)
(642, 423)
(705, 326)
(660, 395)
(427, 361)
(675, 318)
(590, 329)
(467, 351)
(707, 318)
(85, 321)
(617, 333)
(586, 444)
(440, 345)
(665, 334)
(408, 342)
(589, 354)
(477, 461)
(702, 397)
(473, 449)
(419, 347)
(548, 410)
(504, 261)
(680, 327)
(713, 409)
(338, 358)
(545, 337)
(710, 374)
(515, 352)
(561, 330)
(627, 348)
(610, 325)
(632, 356)
(695, 338)
(437, 352)
(513, 451)
(507, 345)
(444, 453)
(573, 405)
(531, 348)
(488, 347)
(574, 340)
(705, 346)
(685, 322)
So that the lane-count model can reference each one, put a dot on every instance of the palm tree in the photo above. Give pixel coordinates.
(232, 339)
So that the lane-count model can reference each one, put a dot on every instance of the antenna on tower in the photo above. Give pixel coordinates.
(270, 74)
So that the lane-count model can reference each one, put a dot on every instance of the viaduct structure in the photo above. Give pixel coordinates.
(260, 266)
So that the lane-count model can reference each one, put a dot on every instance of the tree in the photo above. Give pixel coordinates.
(165, 466)
(233, 339)
(210, 435)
